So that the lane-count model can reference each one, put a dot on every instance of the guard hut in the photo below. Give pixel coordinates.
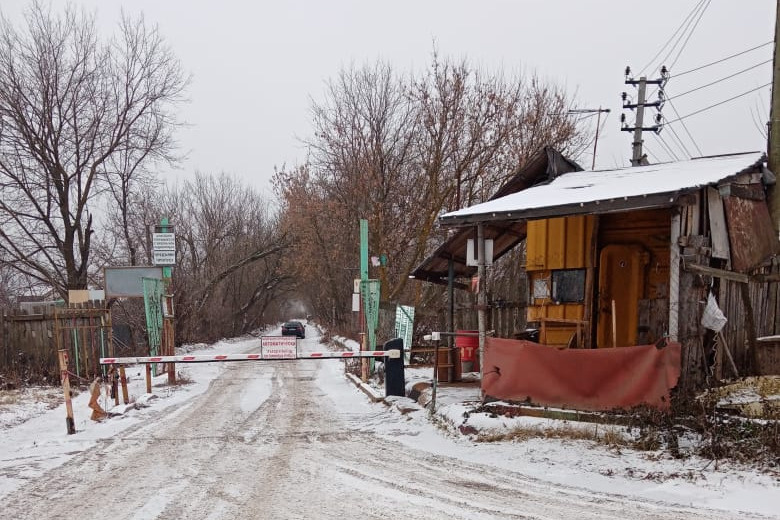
(625, 257)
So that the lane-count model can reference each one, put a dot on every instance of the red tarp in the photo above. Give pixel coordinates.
(582, 379)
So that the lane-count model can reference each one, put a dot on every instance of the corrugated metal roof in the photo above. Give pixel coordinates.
(631, 187)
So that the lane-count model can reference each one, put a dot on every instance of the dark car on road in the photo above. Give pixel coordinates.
(294, 328)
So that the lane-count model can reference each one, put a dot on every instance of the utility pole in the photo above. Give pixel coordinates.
(597, 111)
(773, 153)
(481, 304)
(637, 157)
(364, 369)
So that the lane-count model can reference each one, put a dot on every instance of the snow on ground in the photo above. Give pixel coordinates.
(650, 474)
(33, 438)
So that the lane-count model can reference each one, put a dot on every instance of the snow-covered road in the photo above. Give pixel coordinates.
(292, 439)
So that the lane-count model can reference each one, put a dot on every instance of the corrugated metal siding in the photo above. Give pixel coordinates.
(751, 234)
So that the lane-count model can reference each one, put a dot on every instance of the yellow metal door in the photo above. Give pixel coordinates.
(621, 286)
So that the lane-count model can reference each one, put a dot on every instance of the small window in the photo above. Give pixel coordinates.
(541, 288)
(568, 285)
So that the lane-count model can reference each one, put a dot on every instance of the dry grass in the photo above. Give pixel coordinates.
(183, 378)
(19, 405)
(9, 397)
(608, 435)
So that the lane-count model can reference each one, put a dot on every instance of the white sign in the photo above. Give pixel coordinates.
(471, 252)
(163, 257)
(278, 347)
(164, 242)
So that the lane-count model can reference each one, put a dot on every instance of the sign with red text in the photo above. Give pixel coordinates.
(278, 347)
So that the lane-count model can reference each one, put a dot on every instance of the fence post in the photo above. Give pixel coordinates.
(123, 382)
(69, 422)
(148, 378)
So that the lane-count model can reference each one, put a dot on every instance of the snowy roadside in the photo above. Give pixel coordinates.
(33, 435)
(34, 439)
(562, 452)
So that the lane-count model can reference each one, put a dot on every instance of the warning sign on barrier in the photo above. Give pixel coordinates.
(278, 347)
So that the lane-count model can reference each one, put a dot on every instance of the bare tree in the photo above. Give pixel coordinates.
(229, 253)
(80, 120)
(398, 151)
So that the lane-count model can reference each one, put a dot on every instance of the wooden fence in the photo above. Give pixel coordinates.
(29, 342)
(507, 319)
(751, 357)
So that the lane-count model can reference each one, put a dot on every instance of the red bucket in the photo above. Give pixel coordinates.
(469, 347)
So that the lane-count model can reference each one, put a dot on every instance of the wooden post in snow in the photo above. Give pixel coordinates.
(435, 376)
(123, 382)
(363, 361)
(63, 359)
(148, 378)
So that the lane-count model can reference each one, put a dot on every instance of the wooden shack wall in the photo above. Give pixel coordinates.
(702, 237)
(557, 243)
(765, 300)
(649, 229)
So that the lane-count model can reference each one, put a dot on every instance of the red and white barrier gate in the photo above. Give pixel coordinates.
(393, 354)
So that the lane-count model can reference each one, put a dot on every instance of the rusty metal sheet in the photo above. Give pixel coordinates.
(581, 379)
(751, 234)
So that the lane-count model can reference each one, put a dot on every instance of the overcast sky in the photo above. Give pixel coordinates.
(257, 65)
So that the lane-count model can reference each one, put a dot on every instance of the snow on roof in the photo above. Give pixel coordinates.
(601, 185)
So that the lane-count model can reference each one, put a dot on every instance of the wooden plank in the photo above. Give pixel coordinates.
(691, 217)
(651, 325)
(590, 277)
(718, 230)
(717, 273)
(674, 277)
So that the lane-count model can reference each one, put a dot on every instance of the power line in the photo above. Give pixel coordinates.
(695, 9)
(696, 24)
(667, 148)
(699, 11)
(721, 79)
(684, 127)
(683, 153)
(679, 142)
(655, 157)
(651, 154)
(720, 103)
(722, 59)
